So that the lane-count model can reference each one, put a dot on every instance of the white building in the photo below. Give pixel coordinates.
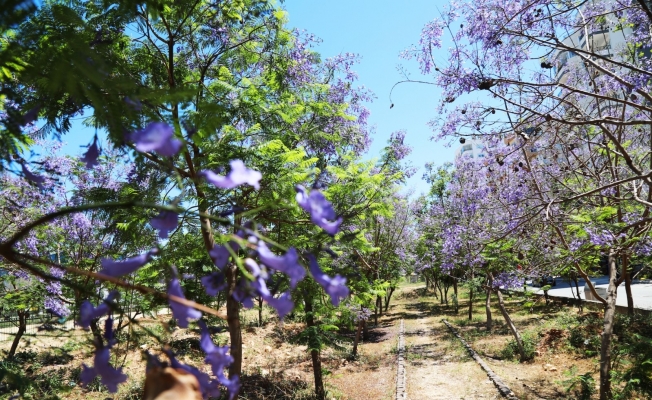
(471, 149)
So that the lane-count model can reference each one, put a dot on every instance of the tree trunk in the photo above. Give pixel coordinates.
(95, 329)
(313, 343)
(376, 312)
(380, 305)
(487, 306)
(357, 339)
(389, 297)
(512, 327)
(233, 320)
(22, 327)
(365, 330)
(471, 304)
(579, 297)
(607, 332)
(628, 286)
(260, 311)
(441, 294)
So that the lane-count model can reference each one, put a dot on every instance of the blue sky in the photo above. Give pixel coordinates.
(377, 30)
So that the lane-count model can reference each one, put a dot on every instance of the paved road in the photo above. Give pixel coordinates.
(641, 291)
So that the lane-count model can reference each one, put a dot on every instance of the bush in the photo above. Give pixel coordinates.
(510, 351)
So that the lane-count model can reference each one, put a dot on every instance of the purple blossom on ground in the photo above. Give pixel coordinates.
(239, 175)
(110, 377)
(91, 155)
(165, 222)
(87, 312)
(321, 210)
(119, 268)
(287, 264)
(334, 286)
(180, 311)
(157, 137)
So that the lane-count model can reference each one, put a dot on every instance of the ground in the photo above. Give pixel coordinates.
(276, 367)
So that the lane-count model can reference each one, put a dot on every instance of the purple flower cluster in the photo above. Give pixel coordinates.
(321, 211)
(111, 377)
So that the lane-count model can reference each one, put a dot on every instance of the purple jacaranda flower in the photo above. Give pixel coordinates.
(91, 155)
(214, 283)
(239, 175)
(335, 286)
(158, 137)
(110, 377)
(30, 176)
(87, 312)
(287, 264)
(220, 256)
(136, 105)
(31, 115)
(320, 210)
(119, 268)
(255, 269)
(181, 312)
(283, 304)
(243, 293)
(216, 356)
(165, 222)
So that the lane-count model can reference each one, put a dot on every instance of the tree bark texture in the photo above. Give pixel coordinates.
(389, 297)
(314, 351)
(607, 332)
(22, 327)
(512, 327)
(471, 303)
(487, 306)
(627, 277)
(233, 320)
(357, 339)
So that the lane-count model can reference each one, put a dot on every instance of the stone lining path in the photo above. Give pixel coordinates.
(400, 373)
(500, 385)
(435, 365)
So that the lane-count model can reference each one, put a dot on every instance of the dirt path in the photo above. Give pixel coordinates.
(437, 366)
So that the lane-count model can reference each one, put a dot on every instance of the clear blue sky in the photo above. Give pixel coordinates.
(377, 30)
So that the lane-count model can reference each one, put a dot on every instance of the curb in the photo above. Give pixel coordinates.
(401, 393)
(500, 385)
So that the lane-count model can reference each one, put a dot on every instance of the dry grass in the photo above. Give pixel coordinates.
(437, 365)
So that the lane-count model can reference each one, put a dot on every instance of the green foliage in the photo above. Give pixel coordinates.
(23, 374)
(581, 386)
(529, 339)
